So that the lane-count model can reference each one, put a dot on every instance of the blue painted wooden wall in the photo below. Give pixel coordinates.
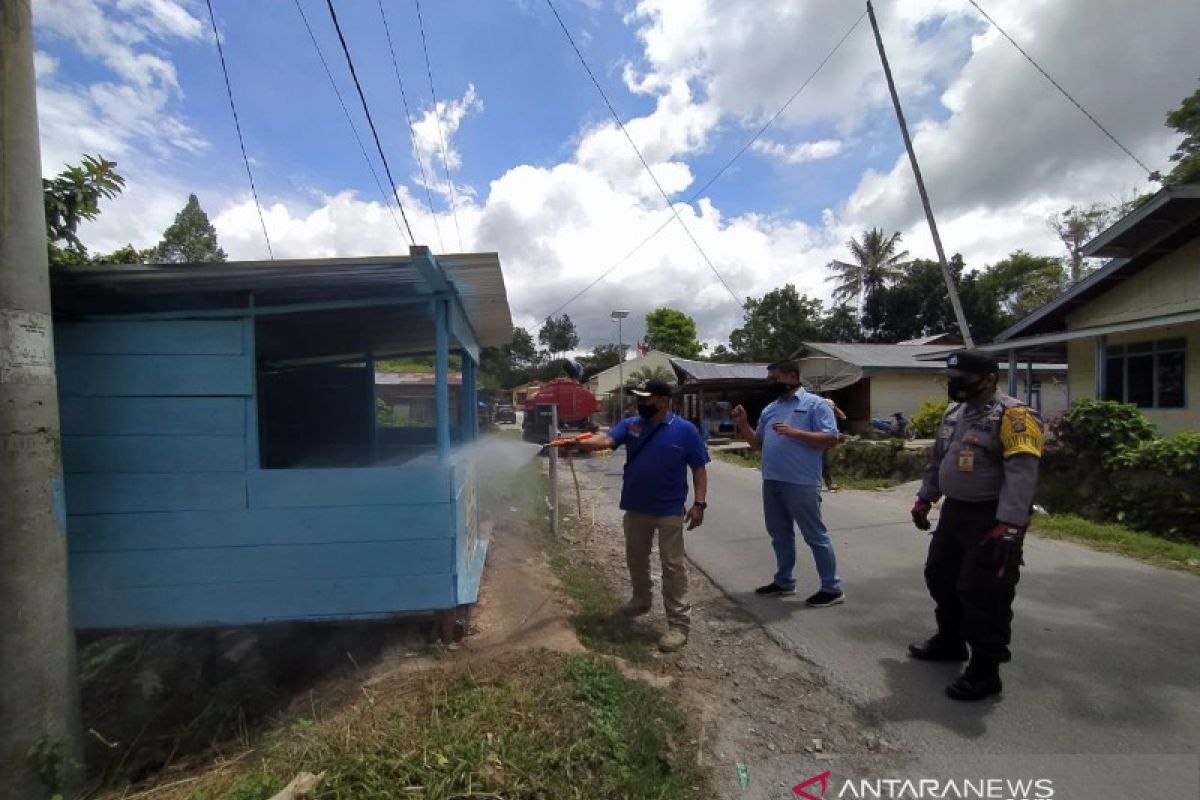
(171, 523)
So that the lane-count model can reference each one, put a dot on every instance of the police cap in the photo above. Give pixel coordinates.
(971, 362)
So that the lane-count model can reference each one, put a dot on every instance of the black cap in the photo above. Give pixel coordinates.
(971, 362)
(653, 388)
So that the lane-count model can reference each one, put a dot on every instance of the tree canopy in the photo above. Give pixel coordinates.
(71, 197)
(673, 332)
(1186, 120)
(558, 335)
(775, 325)
(190, 239)
(604, 356)
(877, 261)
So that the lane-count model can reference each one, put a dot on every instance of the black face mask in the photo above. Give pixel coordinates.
(647, 411)
(778, 389)
(960, 390)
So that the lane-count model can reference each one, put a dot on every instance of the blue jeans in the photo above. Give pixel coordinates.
(785, 506)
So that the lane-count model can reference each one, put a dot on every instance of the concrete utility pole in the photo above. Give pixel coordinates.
(38, 694)
(916, 168)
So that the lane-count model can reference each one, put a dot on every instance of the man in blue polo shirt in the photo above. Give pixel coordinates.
(659, 449)
(793, 433)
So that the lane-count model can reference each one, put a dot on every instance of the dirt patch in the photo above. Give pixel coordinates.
(753, 703)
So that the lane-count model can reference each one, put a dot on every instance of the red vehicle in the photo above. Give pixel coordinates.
(575, 408)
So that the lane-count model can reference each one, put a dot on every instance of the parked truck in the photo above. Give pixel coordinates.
(575, 404)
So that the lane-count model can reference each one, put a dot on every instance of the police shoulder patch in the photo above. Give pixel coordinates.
(1020, 432)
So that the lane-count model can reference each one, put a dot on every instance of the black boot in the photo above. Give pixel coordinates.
(937, 648)
(980, 679)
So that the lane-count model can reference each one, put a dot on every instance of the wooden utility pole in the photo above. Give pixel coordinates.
(38, 695)
(916, 168)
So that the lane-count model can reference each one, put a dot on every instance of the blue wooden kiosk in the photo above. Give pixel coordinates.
(224, 460)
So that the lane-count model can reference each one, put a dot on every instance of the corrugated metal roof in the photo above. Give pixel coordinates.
(867, 356)
(713, 371)
(479, 281)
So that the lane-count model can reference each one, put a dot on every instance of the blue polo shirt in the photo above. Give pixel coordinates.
(789, 460)
(656, 480)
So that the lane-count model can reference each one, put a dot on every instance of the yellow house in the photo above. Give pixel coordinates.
(1131, 330)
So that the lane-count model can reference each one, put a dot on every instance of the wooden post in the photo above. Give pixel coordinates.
(554, 516)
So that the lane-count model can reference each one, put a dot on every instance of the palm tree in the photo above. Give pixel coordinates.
(876, 263)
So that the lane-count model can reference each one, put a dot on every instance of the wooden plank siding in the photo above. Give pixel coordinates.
(171, 523)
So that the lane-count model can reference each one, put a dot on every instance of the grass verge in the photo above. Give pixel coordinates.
(1121, 540)
(537, 725)
(854, 482)
(743, 458)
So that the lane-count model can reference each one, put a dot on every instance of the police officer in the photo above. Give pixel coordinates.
(985, 463)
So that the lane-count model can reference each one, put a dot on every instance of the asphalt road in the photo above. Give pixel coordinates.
(1106, 649)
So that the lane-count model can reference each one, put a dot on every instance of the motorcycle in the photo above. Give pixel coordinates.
(897, 426)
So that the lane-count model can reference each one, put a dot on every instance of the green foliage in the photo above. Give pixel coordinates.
(255, 786)
(841, 324)
(604, 356)
(925, 422)
(917, 304)
(558, 335)
(1119, 539)
(47, 761)
(649, 374)
(1022, 282)
(877, 262)
(71, 197)
(1186, 120)
(190, 239)
(877, 460)
(125, 255)
(672, 331)
(775, 325)
(1076, 226)
(1102, 429)
(1177, 456)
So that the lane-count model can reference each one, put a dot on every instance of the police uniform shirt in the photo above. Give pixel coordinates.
(987, 453)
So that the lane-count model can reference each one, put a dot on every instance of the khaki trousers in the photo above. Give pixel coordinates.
(639, 538)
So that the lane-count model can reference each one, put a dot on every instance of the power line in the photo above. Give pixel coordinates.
(362, 148)
(641, 158)
(1153, 175)
(438, 118)
(411, 130)
(696, 194)
(366, 110)
(238, 125)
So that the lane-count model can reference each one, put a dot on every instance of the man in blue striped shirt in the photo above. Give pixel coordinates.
(793, 433)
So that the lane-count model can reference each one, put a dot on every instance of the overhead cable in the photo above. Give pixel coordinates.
(696, 194)
(1151, 173)
(367, 110)
(238, 126)
(412, 135)
(362, 148)
(641, 158)
(437, 115)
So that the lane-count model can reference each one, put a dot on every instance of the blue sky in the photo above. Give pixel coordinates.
(542, 176)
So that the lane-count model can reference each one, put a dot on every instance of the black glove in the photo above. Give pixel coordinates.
(1006, 542)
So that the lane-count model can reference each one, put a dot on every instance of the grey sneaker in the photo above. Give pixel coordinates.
(674, 639)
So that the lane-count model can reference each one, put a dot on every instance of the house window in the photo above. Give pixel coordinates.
(1147, 374)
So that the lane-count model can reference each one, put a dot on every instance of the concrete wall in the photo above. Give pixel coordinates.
(897, 390)
(171, 522)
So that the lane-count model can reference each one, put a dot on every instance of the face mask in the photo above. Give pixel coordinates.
(647, 411)
(778, 389)
(962, 389)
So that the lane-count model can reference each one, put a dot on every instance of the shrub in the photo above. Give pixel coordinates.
(925, 422)
(886, 459)
(1103, 429)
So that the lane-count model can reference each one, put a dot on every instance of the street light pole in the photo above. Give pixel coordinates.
(619, 316)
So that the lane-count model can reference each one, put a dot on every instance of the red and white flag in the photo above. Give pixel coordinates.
(641, 348)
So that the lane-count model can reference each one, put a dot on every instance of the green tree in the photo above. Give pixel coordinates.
(521, 352)
(723, 354)
(509, 364)
(71, 197)
(877, 263)
(775, 325)
(124, 255)
(1075, 227)
(1186, 120)
(558, 335)
(841, 324)
(672, 331)
(604, 356)
(190, 239)
(917, 305)
(1022, 283)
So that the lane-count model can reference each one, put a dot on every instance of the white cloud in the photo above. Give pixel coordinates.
(435, 131)
(798, 153)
